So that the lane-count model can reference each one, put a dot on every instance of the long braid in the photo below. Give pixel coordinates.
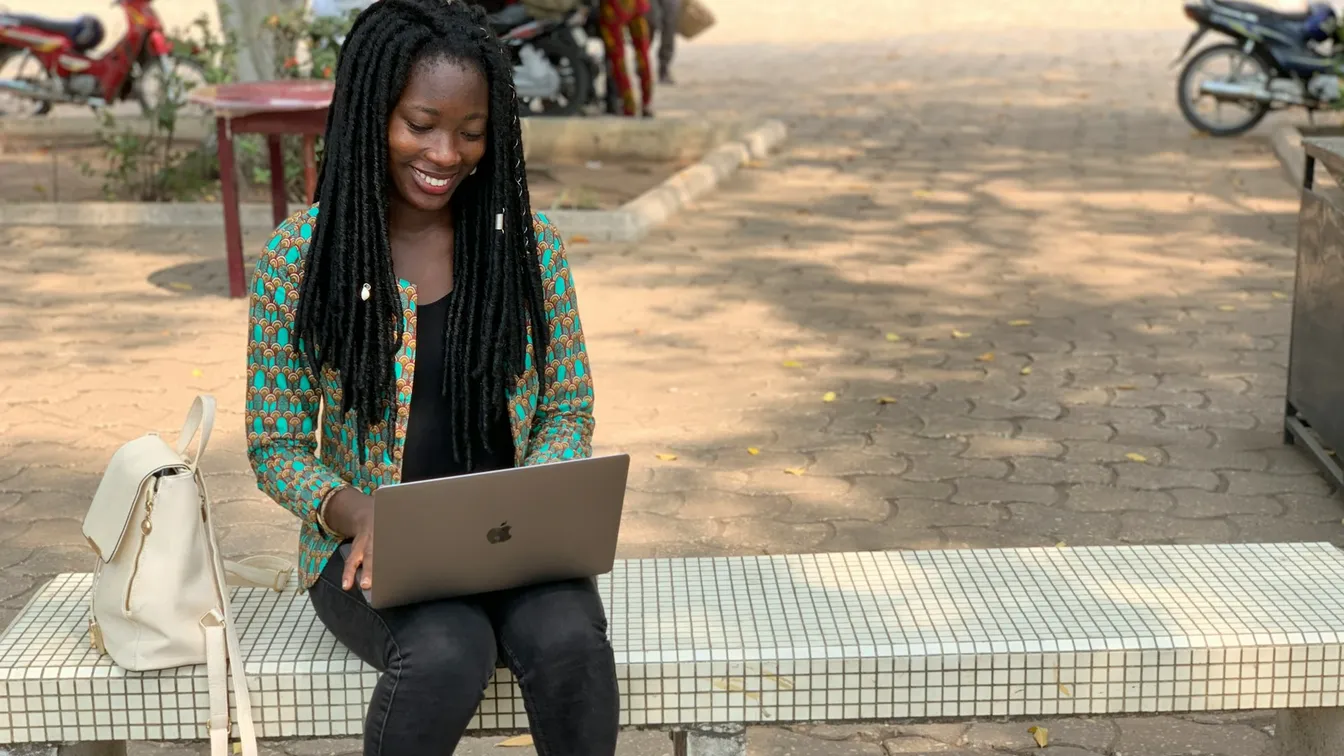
(496, 271)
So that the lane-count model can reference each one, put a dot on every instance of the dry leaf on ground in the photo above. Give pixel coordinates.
(1019, 323)
(986, 357)
(792, 364)
(893, 337)
(1026, 370)
(179, 285)
(1041, 734)
(577, 239)
(1136, 457)
(667, 457)
(197, 373)
(829, 396)
(1227, 308)
(886, 400)
(517, 741)
(753, 451)
(794, 470)
(960, 334)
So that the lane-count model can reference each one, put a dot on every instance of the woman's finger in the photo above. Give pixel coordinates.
(367, 554)
(352, 562)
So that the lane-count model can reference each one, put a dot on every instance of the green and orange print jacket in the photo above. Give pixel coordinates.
(284, 399)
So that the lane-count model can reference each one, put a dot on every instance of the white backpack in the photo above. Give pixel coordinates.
(160, 595)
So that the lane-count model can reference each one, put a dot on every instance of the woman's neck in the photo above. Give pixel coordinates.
(406, 221)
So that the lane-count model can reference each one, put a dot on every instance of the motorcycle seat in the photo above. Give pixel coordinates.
(85, 32)
(1268, 14)
(509, 17)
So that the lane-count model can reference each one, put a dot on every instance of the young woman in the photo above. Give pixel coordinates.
(422, 322)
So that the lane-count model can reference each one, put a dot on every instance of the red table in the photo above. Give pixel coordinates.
(273, 108)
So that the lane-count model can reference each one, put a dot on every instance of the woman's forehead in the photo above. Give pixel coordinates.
(446, 79)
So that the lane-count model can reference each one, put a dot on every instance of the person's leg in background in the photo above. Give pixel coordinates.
(642, 38)
(669, 13)
(612, 26)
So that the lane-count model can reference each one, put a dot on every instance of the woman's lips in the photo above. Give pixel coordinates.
(431, 184)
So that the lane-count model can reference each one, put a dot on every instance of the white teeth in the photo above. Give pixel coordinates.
(434, 182)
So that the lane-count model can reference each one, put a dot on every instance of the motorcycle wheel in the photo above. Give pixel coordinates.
(1243, 68)
(24, 66)
(576, 79)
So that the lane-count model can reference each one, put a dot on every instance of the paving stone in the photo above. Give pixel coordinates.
(1308, 508)
(1060, 430)
(991, 447)
(1193, 503)
(1150, 527)
(883, 536)
(946, 468)
(1250, 529)
(1004, 736)
(1051, 472)
(1107, 499)
(846, 463)
(1252, 483)
(1170, 736)
(1056, 525)
(1094, 735)
(763, 740)
(980, 491)
(1094, 451)
(1151, 477)
(697, 505)
(924, 513)
(890, 487)
(921, 745)
(1215, 459)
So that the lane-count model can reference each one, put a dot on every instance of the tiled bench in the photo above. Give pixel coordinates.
(706, 646)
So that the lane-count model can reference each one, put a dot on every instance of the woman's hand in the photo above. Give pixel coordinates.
(351, 512)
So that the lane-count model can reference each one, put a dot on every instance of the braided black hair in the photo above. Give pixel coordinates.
(496, 273)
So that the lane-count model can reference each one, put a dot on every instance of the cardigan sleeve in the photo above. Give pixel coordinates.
(563, 426)
(283, 398)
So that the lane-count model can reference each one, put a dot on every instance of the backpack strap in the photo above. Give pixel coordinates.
(224, 652)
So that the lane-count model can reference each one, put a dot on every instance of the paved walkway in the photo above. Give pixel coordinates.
(1092, 311)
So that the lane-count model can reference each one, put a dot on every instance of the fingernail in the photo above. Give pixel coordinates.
(367, 583)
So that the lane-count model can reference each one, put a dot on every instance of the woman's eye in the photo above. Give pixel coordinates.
(473, 136)
(417, 128)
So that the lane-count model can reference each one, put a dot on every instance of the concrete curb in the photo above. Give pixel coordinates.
(1287, 143)
(629, 223)
(582, 138)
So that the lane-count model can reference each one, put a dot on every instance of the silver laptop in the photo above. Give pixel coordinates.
(496, 530)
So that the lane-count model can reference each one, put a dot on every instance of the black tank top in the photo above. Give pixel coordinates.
(429, 439)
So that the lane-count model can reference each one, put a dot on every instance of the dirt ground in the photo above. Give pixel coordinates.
(33, 174)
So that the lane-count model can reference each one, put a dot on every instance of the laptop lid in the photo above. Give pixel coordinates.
(496, 530)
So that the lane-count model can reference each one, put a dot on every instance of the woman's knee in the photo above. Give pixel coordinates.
(447, 655)
(445, 661)
(556, 630)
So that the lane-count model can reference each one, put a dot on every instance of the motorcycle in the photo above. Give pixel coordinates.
(1275, 60)
(553, 72)
(46, 61)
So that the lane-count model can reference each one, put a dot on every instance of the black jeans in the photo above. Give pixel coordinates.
(436, 658)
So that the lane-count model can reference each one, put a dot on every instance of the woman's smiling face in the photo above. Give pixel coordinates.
(437, 132)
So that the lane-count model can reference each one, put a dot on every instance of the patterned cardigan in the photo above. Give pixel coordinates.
(285, 400)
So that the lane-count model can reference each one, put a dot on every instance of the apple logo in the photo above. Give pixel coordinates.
(499, 534)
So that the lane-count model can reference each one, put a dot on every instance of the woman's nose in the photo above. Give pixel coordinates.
(443, 152)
